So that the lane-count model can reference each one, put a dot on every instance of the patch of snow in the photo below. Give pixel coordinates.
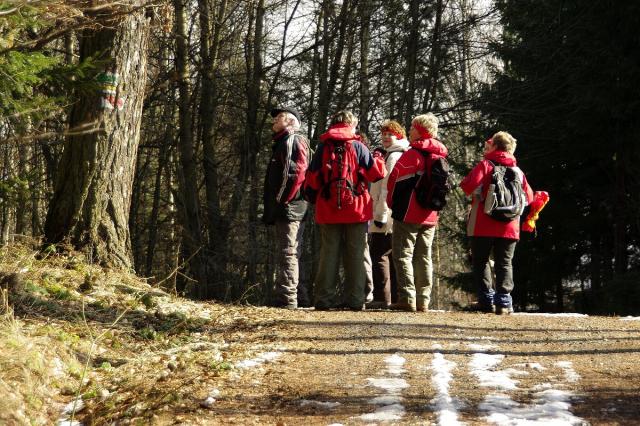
(394, 364)
(533, 365)
(327, 405)
(259, 360)
(569, 373)
(445, 409)
(483, 367)
(66, 422)
(73, 406)
(390, 406)
(58, 367)
(386, 400)
(208, 402)
(480, 348)
(385, 413)
(389, 384)
(630, 318)
(549, 314)
(550, 407)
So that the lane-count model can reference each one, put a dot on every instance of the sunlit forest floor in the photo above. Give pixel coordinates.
(82, 344)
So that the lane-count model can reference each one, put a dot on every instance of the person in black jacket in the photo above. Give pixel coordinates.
(284, 206)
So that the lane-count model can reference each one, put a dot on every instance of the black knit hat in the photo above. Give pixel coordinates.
(291, 110)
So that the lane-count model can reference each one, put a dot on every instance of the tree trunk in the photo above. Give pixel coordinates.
(187, 176)
(365, 36)
(323, 96)
(23, 190)
(434, 61)
(209, 48)
(409, 84)
(252, 137)
(90, 205)
(620, 214)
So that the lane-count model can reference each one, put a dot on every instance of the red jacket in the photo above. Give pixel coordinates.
(400, 194)
(477, 183)
(362, 169)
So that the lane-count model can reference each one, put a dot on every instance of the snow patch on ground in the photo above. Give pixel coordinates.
(550, 406)
(259, 360)
(480, 348)
(630, 318)
(390, 404)
(394, 364)
(443, 403)
(327, 405)
(73, 407)
(483, 367)
(65, 422)
(569, 373)
(532, 365)
(210, 400)
(549, 314)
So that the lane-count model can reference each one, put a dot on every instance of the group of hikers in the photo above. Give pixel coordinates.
(377, 213)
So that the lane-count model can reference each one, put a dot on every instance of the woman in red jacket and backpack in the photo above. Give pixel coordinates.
(489, 234)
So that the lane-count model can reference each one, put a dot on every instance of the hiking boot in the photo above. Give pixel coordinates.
(376, 304)
(284, 305)
(422, 308)
(347, 307)
(403, 306)
(321, 307)
(479, 307)
(504, 310)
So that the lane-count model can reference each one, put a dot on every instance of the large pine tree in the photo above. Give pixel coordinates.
(90, 206)
(569, 93)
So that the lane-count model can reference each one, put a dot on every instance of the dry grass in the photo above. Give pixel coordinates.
(73, 330)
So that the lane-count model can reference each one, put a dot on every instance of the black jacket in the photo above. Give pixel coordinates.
(285, 176)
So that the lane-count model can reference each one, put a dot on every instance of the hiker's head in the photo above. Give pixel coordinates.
(391, 130)
(424, 126)
(503, 141)
(285, 118)
(344, 117)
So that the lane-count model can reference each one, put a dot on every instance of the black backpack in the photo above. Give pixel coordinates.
(433, 185)
(505, 200)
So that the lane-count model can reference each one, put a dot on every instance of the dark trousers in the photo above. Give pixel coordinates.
(385, 288)
(503, 250)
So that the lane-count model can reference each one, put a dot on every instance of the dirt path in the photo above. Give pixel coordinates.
(331, 368)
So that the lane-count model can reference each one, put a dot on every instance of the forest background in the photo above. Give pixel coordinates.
(138, 132)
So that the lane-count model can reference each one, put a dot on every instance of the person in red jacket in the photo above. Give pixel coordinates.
(413, 225)
(488, 234)
(337, 182)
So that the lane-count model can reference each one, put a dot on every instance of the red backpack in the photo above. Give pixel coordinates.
(339, 160)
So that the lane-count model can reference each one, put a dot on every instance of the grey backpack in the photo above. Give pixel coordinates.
(505, 200)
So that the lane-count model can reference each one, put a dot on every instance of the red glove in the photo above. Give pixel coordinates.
(540, 199)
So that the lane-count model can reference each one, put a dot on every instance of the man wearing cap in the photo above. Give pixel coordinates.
(284, 206)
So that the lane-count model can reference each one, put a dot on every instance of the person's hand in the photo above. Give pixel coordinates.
(379, 224)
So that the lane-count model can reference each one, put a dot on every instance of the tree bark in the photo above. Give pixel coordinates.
(193, 243)
(409, 84)
(365, 35)
(434, 61)
(90, 205)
